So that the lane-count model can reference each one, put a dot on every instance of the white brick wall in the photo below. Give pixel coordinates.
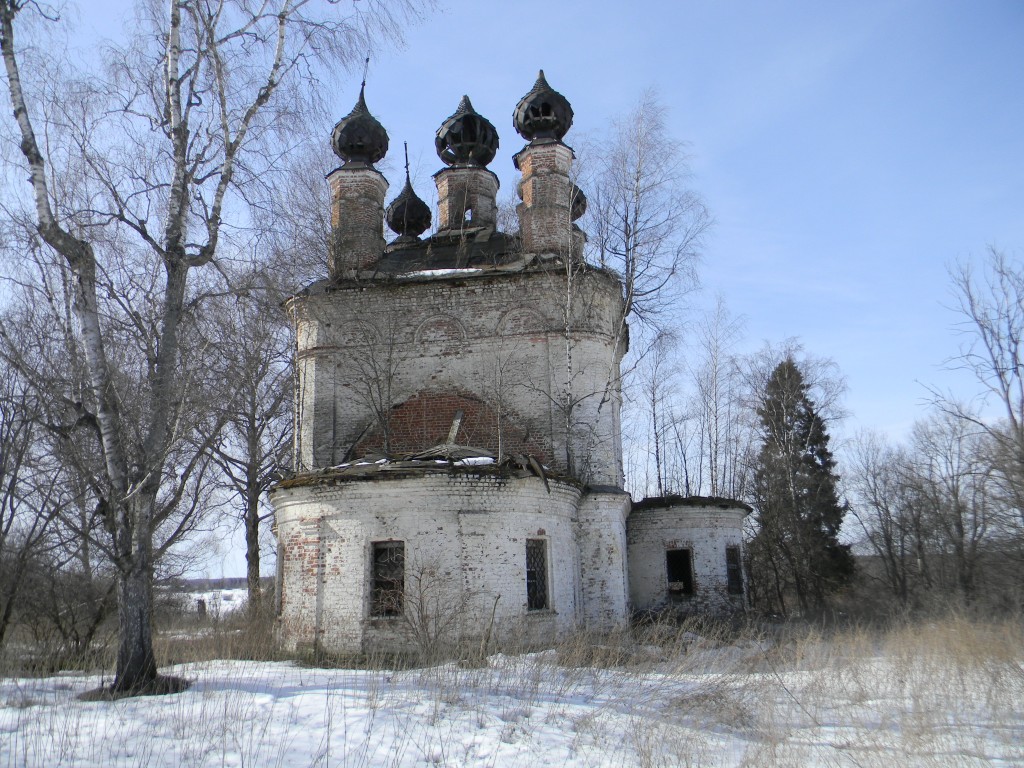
(511, 320)
(465, 533)
(706, 531)
(602, 551)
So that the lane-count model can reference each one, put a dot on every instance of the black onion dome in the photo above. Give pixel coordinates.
(466, 138)
(407, 215)
(358, 137)
(543, 113)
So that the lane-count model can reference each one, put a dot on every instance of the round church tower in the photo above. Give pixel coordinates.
(454, 479)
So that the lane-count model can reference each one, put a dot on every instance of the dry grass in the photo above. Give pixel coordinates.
(937, 693)
(235, 637)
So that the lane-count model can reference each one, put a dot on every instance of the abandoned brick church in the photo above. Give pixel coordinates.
(458, 447)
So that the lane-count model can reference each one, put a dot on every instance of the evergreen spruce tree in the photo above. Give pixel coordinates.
(796, 550)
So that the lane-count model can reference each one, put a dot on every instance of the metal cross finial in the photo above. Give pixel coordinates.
(406, 143)
(366, 68)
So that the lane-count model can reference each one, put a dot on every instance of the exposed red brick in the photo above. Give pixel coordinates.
(425, 419)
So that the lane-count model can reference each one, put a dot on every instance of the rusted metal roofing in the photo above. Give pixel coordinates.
(447, 458)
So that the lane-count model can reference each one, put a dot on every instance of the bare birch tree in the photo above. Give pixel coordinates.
(31, 498)
(647, 225)
(167, 145)
(724, 425)
(991, 304)
(930, 513)
(644, 222)
(69, 581)
(252, 339)
(885, 511)
(657, 379)
(951, 482)
(506, 373)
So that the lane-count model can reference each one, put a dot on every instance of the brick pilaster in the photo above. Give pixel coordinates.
(466, 188)
(357, 219)
(546, 193)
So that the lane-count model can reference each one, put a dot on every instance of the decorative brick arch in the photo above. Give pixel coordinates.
(425, 419)
(440, 329)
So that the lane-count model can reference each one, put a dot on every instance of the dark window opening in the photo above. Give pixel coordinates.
(734, 570)
(679, 568)
(388, 585)
(536, 575)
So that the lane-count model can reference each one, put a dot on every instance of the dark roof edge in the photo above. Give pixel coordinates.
(373, 278)
(611, 489)
(403, 470)
(674, 500)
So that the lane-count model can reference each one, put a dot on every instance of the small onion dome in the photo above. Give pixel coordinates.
(577, 203)
(543, 113)
(466, 138)
(407, 215)
(358, 137)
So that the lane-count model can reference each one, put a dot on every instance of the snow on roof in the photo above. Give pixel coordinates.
(444, 457)
(441, 272)
(474, 461)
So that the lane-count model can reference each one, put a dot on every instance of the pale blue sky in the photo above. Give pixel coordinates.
(850, 152)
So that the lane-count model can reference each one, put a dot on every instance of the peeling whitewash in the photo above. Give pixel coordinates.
(705, 530)
(507, 348)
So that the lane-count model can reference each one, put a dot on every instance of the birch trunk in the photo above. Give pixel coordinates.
(210, 70)
(136, 664)
(252, 553)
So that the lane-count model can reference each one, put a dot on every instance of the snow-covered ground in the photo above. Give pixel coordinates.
(733, 705)
(217, 602)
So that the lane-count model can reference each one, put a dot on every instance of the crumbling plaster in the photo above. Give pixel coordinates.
(465, 537)
(500, 337)
(706, 528)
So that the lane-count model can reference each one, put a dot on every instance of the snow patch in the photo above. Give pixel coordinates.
(441, 272)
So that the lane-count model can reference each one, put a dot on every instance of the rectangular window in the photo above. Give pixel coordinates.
(536, 574)
(734, 570)
(680, 572)
(388, 580)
